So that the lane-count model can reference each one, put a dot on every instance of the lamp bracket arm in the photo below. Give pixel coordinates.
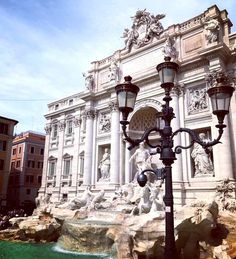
(144, 138)
(196, 139)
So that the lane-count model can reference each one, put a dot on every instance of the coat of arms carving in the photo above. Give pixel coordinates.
(145, 28)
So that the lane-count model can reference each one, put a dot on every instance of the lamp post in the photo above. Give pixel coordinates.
(127, 92)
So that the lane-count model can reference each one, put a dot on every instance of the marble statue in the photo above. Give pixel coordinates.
(211, 29)
(169, 50)
(89, 81)
(142, 159)
(78, 202)
(156, 197)
(202, 160)
(97, 200)
(104, 166)
(113, 71)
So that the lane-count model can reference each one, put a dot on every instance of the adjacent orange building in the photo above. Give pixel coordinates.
(26, 170)
(6, 137)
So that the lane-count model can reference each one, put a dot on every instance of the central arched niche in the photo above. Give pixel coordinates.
(144, 118)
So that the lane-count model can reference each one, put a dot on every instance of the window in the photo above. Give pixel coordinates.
(55, 131)
(29, 178)
(81, 157)
(69, 127)
(1, 164)
(13, 164)
(70, 101)
(3, 145)
(40, 164)
(19, 150)
(56, 106)
(32, 150)
(39, 179)
(31, 163)
(66, 170)
(14, 151)
(17, 163)
(3, 128)
(41, 151)
(28, 191)
(52, 168)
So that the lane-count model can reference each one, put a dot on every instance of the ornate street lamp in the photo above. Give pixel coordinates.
(127, 92)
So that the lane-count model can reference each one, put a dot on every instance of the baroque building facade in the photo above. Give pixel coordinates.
(81, 129)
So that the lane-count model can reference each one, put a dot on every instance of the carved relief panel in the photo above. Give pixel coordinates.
(104, 124)
(197, 100)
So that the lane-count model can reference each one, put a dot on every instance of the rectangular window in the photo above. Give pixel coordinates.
(32, 150)
(42, 151)
(66, 171)
(28, 191)
(19, 150)
(30, 163)
(1, 164)
(13, 165)
(52, 168)
(13, 151)
(39, 178)
(69, 127)
(17, 163)
(55, 131)
(3, 145)
(3, 128)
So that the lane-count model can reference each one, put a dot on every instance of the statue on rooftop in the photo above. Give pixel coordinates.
(169, 50)
(212, 28)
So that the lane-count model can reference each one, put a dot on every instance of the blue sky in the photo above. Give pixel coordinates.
(46, 45)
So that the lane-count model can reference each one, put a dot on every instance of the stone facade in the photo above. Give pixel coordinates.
(80, 127)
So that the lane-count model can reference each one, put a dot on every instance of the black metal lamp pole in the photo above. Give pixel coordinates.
(126, 94)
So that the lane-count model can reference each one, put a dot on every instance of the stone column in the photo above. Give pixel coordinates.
(222, 154)
(94, 165)
(177, 166)
(122, 161)
(127, 164)
(59, 167)
(115, 144)
(88, 152)
(183, 135)
(75, 163)
(42, 190)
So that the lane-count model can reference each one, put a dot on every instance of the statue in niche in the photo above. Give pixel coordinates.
(104, 166)
(202, 159)
(114, 71)
(212, 28)
(142, 159)
(169, 50)
(105, 123)
(89, 81)
(198, 100)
